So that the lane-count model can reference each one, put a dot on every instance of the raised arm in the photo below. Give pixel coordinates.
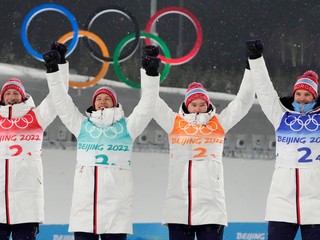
(162, 114)
(143, 112)
(150, 80)
(61, 101)
(267, 95)
(240, 106)
(45, 111)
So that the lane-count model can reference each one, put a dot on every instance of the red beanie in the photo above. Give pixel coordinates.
(309, 82)
(196, 90)
(107, 90)
(13, 83)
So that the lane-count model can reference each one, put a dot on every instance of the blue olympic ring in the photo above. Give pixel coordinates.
(36, 11)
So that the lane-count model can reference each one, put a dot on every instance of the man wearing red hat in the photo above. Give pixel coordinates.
(195, 201)
(12, 92)
(103, 191)
(21, 134)
(294, 196)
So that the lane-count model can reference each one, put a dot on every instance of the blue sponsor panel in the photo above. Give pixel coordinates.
(149, 231)
(246, 231)
(54, 232)
(142, 231)
(155, 231)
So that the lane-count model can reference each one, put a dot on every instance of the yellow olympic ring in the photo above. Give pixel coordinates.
(105, 53)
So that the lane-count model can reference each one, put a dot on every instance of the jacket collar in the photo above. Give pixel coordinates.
(105, 117)
(197, 118)
(286, 103)
(17, 110)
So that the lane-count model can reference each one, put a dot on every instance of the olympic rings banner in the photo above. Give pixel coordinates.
(118, 57)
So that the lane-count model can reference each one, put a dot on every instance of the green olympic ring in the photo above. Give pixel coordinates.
(128, 39)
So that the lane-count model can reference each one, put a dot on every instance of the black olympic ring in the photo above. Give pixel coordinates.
(123, 57)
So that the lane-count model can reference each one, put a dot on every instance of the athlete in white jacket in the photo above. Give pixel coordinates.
(195, 201)
(103, 190)
(294, 196)
(21, 176)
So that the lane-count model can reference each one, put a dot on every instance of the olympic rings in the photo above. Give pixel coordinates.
(311, 123)
(297, 123)
(127, 39)
(20, 123)
(103, 47)
(193, 129)
(36, 11)
(129, 16)
(109, 132)
(104, 58)
(196, 24)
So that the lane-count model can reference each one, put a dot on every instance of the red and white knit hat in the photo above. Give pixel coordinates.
(13, 83)
(107, 90)
(196, 90)
(309, 82)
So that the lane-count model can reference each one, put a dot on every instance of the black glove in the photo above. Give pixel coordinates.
(51, 58)
(62, 50)
(254, 48)
(149, 61)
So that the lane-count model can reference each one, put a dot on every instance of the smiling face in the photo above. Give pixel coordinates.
(102, 101)
(11, 96)
(198, 106)
(303, 96)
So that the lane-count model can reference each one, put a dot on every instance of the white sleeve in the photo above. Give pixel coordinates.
(69, 114)
(164, 116)
(45, 112)
(143, 112)
(267, 95)
(64, 73)
(239, 106)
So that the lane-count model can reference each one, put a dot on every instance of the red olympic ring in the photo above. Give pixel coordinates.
(192, 18)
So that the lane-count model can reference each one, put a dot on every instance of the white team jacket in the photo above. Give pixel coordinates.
(102, 196)
(21, 174)
(283, 203)
(195, 193)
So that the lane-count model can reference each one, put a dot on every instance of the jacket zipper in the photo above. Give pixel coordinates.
(7, 180)
(190, 193)
(95, 201)
(298, 196)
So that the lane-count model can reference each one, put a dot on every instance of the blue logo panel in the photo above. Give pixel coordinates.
(155, 231)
